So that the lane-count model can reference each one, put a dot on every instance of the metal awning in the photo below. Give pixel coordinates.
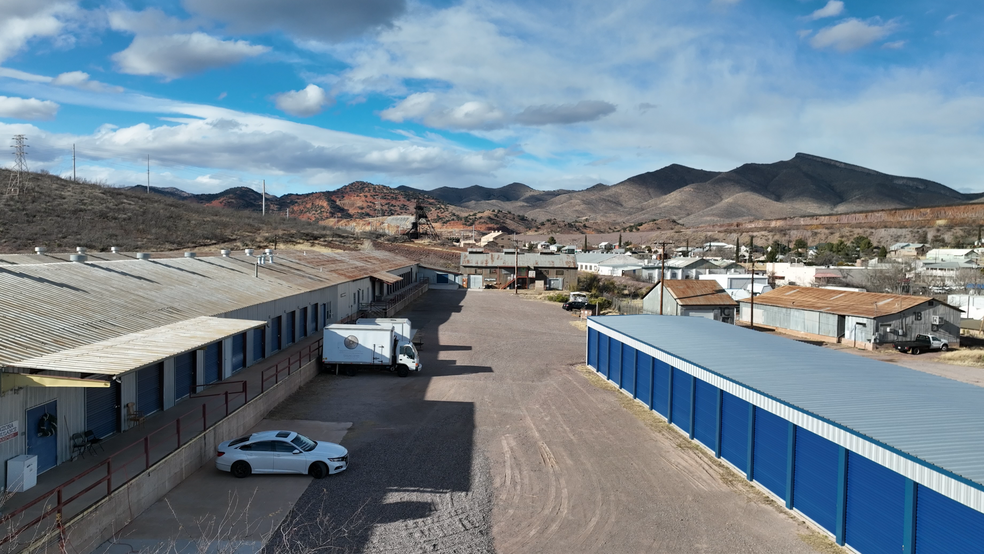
(388, 278)
(10, 381)
(135, 350)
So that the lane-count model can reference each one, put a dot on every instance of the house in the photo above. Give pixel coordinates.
(962, 255)
(949, 274)
(690, 297)
(863, 319)
(739, 285)
(510, 268)
(908, 250)
(590, 262)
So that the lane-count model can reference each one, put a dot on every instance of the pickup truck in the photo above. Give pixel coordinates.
(922, 343)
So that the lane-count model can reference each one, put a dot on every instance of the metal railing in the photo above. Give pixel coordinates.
(288, 366)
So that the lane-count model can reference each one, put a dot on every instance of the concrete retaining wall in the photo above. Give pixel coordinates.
(100, 522)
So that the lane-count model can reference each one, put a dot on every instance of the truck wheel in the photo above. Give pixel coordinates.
(944, 348)
(350, 371)
(915, 351)
(403, 371)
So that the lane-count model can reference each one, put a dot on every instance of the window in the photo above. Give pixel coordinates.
(261, 446)
(917, 316)
(304, 443)
(560, 273)
(283, 446)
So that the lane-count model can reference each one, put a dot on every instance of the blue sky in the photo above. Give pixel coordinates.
(314, 94)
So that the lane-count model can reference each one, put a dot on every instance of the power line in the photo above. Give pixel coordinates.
(20, 165)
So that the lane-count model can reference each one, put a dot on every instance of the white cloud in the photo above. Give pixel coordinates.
(303, 103)
(426, 107)
(832, 9)
(173, 56)
(80, 79)
(27, 108)
(586, 110)
(851, 34)
(894, 45)
(151, 21)
(22, 21)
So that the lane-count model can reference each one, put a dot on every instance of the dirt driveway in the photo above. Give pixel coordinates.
(503, 444)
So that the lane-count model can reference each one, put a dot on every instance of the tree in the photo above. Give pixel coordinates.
(551, 240)
(799, 245)
(620, 240)
(585, 249)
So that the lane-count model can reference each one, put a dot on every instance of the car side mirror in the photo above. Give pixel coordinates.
(296, 452)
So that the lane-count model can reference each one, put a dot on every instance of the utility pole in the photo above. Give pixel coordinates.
(662, 272)
(148, 173)
(751, 256)
(73, 163)
(264, 197)
(516, 266)
(20, 165)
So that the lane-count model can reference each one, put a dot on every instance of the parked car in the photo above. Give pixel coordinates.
(280, 452)
(575, 305)
(922, 343)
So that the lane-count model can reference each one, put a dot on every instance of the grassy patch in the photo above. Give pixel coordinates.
(820, 542)
(580, 324)
(973, 357)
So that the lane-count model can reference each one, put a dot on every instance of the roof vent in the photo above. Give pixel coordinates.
(475, 251)
(80, 249)
(248, 251)
(115, 249)
(225, 253)
(40, 250)
(143, 255)
(268, 251)
(189, 254)
(78, 258)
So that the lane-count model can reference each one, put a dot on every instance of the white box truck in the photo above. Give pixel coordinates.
(350, 347)
(400, 325)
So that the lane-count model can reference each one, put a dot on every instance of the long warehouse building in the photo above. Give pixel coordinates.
(884, 458)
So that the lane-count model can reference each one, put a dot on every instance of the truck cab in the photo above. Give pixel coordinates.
(408, 357)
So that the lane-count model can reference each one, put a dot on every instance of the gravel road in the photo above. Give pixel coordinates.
(503, 444)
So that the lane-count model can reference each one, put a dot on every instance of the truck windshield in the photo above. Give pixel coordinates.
(407, 350)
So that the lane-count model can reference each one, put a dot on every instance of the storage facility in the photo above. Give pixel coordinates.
(883, 458)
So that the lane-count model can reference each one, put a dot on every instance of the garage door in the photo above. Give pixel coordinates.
(705, 414)
(771, 440)
(185, 369)
(276, 336)
(628, 369)
(944, 525)
(644, 378)
(149, 388)
(475, 282)
(213, 363)
(102, 411)
(615, 361)
(603, 355)
(682, 387)
(259, 344)
(734, 431)
(303, 323)
(815, 478)
(875, 507)
(661, 388)
(442, 278)
(238, 352)
(289, 337)
(593, 348)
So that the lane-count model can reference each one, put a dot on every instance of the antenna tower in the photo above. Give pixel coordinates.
(20, 165)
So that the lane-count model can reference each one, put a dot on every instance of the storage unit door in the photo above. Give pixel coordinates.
(238, 352)
(771, 444)
(593, 348)
(705, 414)
(628, 369)
(603, 355)
(615, 361)
(302, 332)
(289, 328)
(213, 362)
(734, 430)
(944, 525)
(276, 337)
(475, 281)
(661, 388)
(644, 378)
(259, 343)
(442, 278)
(314, 318)
(815, 478)
(184, 374)
(681, 399)
(149, 388)
(102, 413)
(875, 507)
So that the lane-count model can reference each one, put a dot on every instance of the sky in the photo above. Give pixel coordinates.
(311, 95)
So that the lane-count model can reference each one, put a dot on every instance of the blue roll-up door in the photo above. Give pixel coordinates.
(593, 348)
(102, 412)
(213, 363)
(661, 388)
(603, 355)
(259, 343)
(276, 336)
(944, 525)
(615, 360)
(771, 450)
(734, 430)
(875, 507)
(644, 378)
(682, 383)
(303, 331)
(289, 337)
(314, 318)
(442, 278)
(705, 413)
(628, 369)
(238, 352)
(815, 478)
(149, 388)
(185, 369)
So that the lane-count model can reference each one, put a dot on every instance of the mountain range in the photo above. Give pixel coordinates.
(802, 186)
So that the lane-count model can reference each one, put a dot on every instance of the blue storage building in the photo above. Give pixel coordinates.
(884, 458)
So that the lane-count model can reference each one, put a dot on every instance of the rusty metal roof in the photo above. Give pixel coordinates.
(498, 259)
(694, 292)
(861, 304)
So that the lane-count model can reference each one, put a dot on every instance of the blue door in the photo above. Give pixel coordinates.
(603, 355)
(771, 450)
(149, 388)
(615, 361)
(185, 372)
(628, 369)
(102, 409)
(213, 363)
(276, 338)
(238, 352)
(593, 348)
(644, 378)
(682, 384)
(705, 414)
(259, 343)
(944, 525)
(661, 388)
(875, 507)
(42, 434)
(815, 478)
(734, 431)
(303, 322)
(289, 337)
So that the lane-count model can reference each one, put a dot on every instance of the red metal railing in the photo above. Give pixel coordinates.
(82, 491)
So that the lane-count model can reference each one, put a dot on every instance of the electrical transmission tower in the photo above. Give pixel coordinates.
(20, 165)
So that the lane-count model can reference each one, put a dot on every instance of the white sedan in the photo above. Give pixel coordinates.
(280, 452)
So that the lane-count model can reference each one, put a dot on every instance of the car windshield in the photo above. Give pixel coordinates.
(303, 443)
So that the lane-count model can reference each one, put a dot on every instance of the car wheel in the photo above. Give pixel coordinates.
(402, 371)
(915, 351)
(241, 469)
(318, 470)
(944, 348)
